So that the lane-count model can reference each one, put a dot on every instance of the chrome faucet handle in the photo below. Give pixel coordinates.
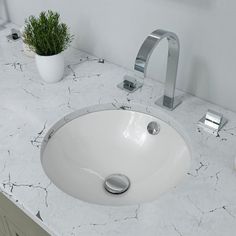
(168, 100)
(212, 122)
(129, 84)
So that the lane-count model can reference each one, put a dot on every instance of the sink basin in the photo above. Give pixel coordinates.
(80, 154)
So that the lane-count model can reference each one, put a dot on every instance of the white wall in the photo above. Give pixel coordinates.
(3, 12)
(116, 29)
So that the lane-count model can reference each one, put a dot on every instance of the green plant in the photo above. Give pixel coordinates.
(45, 35)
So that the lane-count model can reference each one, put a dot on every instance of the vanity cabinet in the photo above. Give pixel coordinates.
(14, 222)
(3, 228)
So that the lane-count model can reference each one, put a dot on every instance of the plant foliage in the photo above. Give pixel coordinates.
(45, 35)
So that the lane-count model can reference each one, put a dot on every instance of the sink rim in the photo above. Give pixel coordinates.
(134, 107)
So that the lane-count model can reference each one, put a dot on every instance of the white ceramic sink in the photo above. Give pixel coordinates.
(83, 152)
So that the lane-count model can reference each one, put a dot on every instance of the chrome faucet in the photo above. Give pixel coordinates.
(168, 100)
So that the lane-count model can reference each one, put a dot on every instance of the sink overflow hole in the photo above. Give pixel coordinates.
(117, 184)
(153, 128)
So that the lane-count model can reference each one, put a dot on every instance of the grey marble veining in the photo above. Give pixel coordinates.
(204, 204)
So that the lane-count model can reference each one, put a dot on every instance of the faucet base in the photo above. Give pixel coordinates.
(168, 103)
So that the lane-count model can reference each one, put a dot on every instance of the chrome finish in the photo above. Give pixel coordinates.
(117, 184)
(101, 60)
(143, 57)
(129, 84)
(153, 128)
(212, 121)
(168, 104)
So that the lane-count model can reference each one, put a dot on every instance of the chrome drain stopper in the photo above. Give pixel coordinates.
(117, 183)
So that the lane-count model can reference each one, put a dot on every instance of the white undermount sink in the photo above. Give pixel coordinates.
(82, 153)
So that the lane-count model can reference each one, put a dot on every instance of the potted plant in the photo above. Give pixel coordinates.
(48, 38)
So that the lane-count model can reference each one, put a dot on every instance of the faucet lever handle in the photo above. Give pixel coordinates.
(212, 121)
(129, 84)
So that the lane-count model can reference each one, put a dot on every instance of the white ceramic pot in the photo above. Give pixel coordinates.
(51, 68)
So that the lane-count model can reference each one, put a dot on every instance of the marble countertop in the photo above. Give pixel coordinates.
(204, 203)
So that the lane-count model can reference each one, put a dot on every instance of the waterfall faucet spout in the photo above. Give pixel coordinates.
(168, 100)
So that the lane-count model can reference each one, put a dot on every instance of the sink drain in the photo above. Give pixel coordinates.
(117, 184)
